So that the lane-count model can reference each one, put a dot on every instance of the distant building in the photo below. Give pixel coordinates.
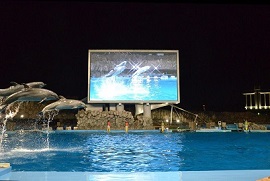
(257, 100)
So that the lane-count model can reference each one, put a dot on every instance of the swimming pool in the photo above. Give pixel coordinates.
(136, 151)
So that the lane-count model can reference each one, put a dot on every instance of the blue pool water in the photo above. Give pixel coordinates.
(136, 151)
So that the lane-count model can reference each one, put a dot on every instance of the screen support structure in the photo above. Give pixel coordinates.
(120, 107)
(147, 110)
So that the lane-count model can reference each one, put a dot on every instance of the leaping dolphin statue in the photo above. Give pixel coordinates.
(117, 69)
(18, 87)
(140, 71)
(29, 94)
(63, 104)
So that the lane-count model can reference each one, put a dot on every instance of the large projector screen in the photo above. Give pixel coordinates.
(133, 76)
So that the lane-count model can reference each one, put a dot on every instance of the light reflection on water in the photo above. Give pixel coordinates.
(131, 152)
(137, 151)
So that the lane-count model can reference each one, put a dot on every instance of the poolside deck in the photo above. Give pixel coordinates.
(222, 175)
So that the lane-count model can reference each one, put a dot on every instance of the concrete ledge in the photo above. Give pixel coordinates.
(218, 175)
(225, 175)
(4, 171)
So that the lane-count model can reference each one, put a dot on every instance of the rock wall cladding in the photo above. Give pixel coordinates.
(97, 120)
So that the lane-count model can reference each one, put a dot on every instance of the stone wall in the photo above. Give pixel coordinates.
(97, 120)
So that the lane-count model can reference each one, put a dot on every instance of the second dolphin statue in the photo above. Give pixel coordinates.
(63, 104)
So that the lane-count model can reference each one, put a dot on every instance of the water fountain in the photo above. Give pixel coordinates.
(47, 118)
(10, 112)
(11, 102)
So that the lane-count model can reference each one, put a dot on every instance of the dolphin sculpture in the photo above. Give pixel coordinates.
(36, 84)
(63, 104)
(29, 94)
(18, 87)
(140, 71)
(117, 69)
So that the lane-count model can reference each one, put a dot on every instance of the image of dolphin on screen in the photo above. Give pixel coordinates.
(118, 69)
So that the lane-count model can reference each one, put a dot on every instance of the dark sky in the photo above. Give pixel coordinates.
(224, 48)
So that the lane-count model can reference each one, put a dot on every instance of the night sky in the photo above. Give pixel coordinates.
(224, 48)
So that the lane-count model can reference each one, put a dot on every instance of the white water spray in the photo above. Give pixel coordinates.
(11, 110)
(48, 117)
